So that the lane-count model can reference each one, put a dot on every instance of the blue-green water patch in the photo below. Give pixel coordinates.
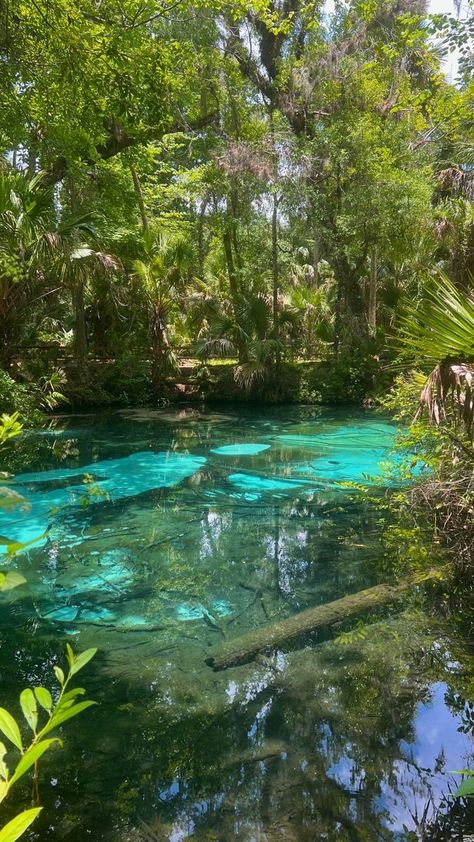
(112, 480)
(352, 436)
(241, 449)
(255, 483)
(303, 744)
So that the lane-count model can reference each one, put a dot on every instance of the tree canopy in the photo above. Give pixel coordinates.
(317, 165)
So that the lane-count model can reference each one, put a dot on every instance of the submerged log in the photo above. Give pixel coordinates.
(242, 649)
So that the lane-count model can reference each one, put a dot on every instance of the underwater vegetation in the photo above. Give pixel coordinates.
(186, 536)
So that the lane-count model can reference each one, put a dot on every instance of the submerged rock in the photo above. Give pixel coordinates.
(186, 611)
(113, 479)
(66, 614)
(255, 483)
(242, 449)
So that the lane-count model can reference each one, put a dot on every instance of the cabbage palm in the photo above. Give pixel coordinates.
(25, 210)
(163, 274)
(441, 332)
(34, 244)
(75, 263)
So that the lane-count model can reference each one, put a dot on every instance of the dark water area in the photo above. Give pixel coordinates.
(168, 532)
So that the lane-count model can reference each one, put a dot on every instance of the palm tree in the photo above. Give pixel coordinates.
(164, 274)
(76, 262)
(25, 209)
(34, 247)
(441, 332)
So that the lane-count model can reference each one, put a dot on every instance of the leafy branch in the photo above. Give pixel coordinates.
(34, 703)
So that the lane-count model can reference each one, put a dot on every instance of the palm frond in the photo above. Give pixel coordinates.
(214, 347)
(442, 326)
(449, 381)
(249, 374)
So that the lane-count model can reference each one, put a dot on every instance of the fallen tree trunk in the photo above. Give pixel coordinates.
(242, 649)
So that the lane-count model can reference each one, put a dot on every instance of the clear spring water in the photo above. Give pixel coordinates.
(193, 527)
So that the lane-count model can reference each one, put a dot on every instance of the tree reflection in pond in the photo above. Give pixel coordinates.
(349, 740)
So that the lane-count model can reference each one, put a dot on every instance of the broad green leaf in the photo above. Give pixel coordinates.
(16, 828)
(465, 789)
(63, 716)
(31, 756)
(44, 698)
(3, 765)
(11, 580)
(71, 694)
(59, 674)
(65, 704)
(82, 660)
(9, 727)
(29, 707)
(70, 655)
(4, 787)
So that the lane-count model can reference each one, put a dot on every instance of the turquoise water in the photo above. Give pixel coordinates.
(160, 535)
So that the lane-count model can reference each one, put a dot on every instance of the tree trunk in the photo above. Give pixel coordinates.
(159, 346)
(243, 649)
(200, 235)
(373, 291)
(140, 200)
(233, 211)
(234, 289)
(80, 333)
(350, 319)
(316, 254)
(8, 323)
(275, 274)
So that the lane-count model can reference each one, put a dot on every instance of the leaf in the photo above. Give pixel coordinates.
(3, 765)
(29, 708)
(11, 580)
(70, 655)
(31, 756)
(4, 787)
(63, 716)
(71, 694)
(18, 546)
(59, 674)
(44, 698)
(9, 727)
(465, 789)
(82, 660)
(14, 829)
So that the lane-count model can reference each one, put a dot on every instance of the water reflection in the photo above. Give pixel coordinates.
(350, 742)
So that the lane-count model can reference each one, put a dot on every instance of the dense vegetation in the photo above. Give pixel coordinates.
(266, 183)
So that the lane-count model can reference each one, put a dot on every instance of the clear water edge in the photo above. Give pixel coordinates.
(330, 741)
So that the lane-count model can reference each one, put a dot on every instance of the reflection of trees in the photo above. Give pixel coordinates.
(309, 756)
(302, 747)
(308, 748)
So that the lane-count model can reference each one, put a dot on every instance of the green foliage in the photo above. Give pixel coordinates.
(442, 326)
(17, 826)
(466, 788)
(338, 179)
(10, 427)
(15, 397)
(42, 720)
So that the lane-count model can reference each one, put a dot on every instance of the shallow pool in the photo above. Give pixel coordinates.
(160, 534)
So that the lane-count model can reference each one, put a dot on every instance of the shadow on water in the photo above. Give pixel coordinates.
(193, 528)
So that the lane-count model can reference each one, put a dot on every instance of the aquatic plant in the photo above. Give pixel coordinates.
(57, 713)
